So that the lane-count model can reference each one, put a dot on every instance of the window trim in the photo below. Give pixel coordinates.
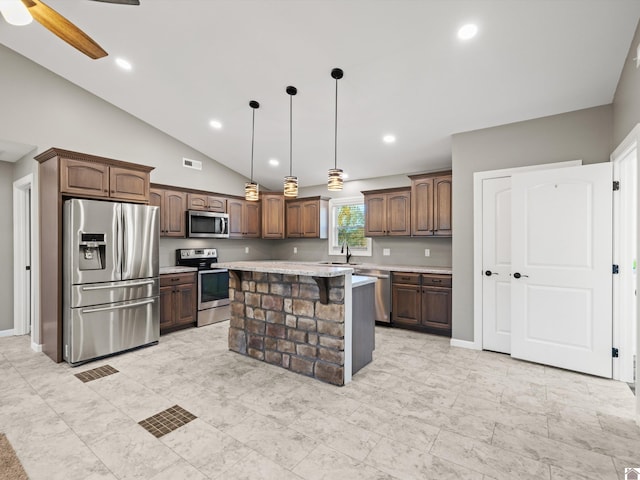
(334, 249)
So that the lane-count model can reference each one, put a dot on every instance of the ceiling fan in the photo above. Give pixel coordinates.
(21, 12)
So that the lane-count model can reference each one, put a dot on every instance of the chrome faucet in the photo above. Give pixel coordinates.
(348, 252)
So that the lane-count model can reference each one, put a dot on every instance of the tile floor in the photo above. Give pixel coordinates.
(421, 410)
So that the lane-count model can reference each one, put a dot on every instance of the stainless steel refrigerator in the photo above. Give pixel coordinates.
(110, 278)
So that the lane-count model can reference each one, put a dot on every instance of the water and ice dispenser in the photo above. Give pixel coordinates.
(92, 251)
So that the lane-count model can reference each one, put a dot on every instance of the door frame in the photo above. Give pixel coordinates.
(622, 330)
(23, 282)
(478, 178)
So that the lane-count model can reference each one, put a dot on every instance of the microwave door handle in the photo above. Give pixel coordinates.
(118, 307)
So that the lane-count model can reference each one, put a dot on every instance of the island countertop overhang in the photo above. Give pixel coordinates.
(305, 269)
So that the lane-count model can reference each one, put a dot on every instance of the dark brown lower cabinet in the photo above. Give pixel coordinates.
(178, 297)
(422, 302)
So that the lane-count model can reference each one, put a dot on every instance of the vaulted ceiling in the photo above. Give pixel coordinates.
(405, 72)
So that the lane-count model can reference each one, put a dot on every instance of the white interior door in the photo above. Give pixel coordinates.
(561, 308)
(496, 264)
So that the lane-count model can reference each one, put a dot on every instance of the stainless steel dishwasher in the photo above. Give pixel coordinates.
(383, 292)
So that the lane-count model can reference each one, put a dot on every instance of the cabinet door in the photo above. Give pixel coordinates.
(375, 220)
(84, 178)
(311, 219)
(185, 303)
(217, 204)
(399, 213)
(156, 198)
(196, 201)
(166, 307)
(405, 304)
(273, 216)
(236, 210)
(174, 213)
(126, 184)
(252, 219)
(436, 308)
(442, 206)
(422, 207)
(294, 219)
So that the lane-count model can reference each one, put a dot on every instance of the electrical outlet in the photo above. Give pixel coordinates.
(386, 252)
(246, 249)
(427, 252)
(295, 250)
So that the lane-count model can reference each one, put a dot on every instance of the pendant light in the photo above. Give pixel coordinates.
(335, 173)
(291, 182)
(251, 188)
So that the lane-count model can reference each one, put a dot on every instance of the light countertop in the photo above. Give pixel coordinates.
(174, 270)
(289, 268)
(360, 280)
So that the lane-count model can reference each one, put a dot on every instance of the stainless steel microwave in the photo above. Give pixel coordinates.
(207, 224)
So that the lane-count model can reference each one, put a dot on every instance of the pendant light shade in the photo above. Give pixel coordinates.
(335, 174)
(335, 179)
(251, 192)
(291, 181)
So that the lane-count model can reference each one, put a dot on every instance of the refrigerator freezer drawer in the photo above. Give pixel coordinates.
(112, 292)
(97, 331)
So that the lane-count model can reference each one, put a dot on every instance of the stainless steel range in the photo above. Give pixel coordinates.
(213, 284)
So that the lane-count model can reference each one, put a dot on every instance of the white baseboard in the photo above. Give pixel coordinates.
(36, 347)
(7, 333)
(465, 344)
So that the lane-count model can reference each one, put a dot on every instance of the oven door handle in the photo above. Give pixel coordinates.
(118, 307)
(217, 270)
(109, 287)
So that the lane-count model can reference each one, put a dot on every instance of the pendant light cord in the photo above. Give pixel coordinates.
(253, 131)
(335, 153)
(290, 135)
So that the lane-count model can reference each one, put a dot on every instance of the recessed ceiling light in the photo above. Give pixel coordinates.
(389, 139)
(215, 124)
(274, 162)
(467, 31)
(123, 64)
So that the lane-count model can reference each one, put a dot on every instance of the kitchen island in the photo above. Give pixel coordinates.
(297, 316)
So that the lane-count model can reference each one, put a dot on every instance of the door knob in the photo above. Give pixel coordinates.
(517, 275)
(488, 273)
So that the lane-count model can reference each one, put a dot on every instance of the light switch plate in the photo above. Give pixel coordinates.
(246, 249)
(386, 252)
(427, 252)
(295, 249)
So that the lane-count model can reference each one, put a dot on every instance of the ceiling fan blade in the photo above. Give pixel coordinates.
(63, 28)
(121, 2)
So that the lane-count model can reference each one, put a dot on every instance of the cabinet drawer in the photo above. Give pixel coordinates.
(436, 280)
(177, 278)
(406, 278)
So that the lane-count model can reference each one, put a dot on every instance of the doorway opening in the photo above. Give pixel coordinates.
(23, 293)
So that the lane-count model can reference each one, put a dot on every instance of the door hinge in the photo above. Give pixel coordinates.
(614, 352)
(616, 185)
(616, 269)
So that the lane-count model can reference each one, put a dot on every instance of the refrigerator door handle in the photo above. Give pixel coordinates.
(118, 307)
(109, 287)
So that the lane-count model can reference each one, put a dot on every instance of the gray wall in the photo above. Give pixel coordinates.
(626, 115)
(42, 109)
(626, 101)
(584, 134)
(6, 245)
